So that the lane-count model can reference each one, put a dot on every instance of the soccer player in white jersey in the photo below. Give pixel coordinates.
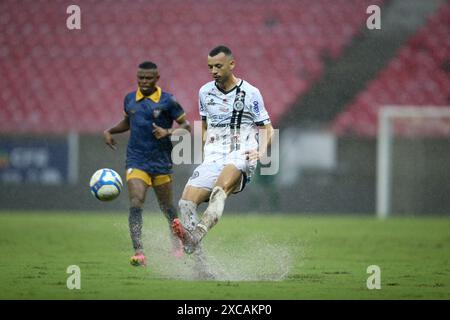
(232, 111)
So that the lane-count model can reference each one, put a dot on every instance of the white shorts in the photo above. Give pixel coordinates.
(206, 174)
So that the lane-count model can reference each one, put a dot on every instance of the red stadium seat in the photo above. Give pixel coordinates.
(79, 78)
(415, 76)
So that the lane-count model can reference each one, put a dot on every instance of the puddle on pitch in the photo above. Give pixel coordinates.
(253, 258)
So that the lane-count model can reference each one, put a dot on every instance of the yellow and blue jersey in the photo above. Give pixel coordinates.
(144, 151)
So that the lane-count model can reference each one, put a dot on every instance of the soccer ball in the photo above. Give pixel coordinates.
(106, 184)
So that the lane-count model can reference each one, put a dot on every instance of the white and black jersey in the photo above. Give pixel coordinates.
(232, 118)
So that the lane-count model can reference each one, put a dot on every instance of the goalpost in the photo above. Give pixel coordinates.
(386, 131)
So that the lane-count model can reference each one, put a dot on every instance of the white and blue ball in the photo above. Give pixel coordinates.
(106, 184)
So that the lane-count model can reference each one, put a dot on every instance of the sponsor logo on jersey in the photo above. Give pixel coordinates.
(219, 117)
(220, 125)
(211, 102)
(255, 107)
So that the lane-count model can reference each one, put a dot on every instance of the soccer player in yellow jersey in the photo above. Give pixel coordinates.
(149, 114)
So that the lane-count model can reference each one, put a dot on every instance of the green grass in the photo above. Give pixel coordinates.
(266, 257)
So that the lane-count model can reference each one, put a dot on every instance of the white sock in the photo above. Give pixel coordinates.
(188, 213)
(213, 212)
(189, 219)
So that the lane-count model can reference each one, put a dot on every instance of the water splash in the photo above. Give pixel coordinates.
(252, 258)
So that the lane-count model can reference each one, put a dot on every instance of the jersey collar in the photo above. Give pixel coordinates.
(155, 96)
(227, 92)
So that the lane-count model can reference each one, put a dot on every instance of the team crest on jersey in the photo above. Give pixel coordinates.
(239, 101)
(238, 105)
(156, 113)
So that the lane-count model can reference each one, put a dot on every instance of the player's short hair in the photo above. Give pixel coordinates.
(220, 49)
(148, 65)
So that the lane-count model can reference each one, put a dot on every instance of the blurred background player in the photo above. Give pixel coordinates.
(232, 111)
(149, 115)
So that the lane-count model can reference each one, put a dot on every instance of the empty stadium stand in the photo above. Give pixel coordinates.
(419, 74)
(55, 80)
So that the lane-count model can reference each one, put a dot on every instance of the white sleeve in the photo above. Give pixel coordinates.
(201, 105)
(259, 112)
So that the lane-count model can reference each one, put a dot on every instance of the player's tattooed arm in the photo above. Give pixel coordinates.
(122, 126)
(265, 139)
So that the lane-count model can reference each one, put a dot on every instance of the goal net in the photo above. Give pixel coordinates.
(413, 160)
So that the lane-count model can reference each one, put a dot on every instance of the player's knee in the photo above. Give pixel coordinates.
(218, 193)
(226, 186)
(137, 201)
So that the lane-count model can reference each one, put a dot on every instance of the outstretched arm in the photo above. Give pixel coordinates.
(122, 126)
